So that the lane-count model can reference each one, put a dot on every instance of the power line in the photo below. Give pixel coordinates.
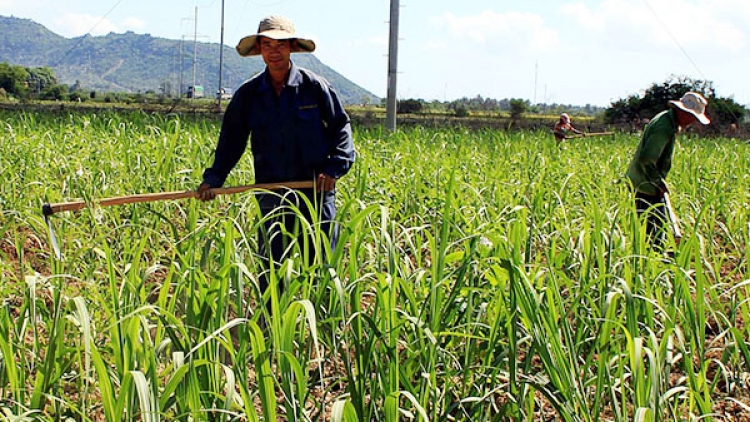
(76, 45)
(666, 28)
(105, 16)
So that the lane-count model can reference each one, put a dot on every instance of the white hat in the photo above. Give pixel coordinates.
(277, 28)
(695, 104)
(564, 117)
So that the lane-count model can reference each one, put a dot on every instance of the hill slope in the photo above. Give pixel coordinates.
(133, 62)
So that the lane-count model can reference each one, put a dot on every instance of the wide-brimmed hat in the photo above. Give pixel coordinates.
(695, 104)
(277, 28)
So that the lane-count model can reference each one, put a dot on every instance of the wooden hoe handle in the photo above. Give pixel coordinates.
(49, 209)
(590, 134)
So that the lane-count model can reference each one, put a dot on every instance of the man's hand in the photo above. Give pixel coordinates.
(325, 183)
(205, 193)
(663, 188)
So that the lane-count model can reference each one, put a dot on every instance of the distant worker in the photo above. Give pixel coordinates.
(563, 128)
(733, 132)
(298, 131)
(653, 159)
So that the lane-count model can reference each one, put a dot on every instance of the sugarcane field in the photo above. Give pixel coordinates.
(479, 274)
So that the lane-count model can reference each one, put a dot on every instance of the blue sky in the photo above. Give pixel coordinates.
(570, 52)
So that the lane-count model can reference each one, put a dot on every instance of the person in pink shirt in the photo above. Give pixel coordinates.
(563, 128)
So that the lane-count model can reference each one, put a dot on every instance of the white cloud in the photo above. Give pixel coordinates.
(580, 13)
(662, 23)
(435, 46)
(77, 24)
(646, 41)
(381, 41)
(498, 31)
(133, 24)
(696, 24)
(22, 8)
(6, 6)
(362, 42)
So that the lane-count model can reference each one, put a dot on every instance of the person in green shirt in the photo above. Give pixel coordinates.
(652, 160)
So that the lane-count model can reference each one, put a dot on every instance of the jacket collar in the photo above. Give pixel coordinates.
(673, 119)
(294, 79)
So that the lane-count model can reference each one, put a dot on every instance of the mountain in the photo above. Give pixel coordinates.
(133, 62)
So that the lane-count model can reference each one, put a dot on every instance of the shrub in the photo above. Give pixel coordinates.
(461, 111)
(409, 106)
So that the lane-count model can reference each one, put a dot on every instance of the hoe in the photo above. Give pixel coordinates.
(674, 223)
(50, 209)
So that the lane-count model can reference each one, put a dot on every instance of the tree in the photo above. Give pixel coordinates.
(517, 108)
(725, 111)
(409, 106)
(623, 110)
(722, 111)
(55, 92)
(41, 78)
(13, 79)
(461, 111)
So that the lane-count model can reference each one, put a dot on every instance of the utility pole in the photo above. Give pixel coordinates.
(536, 77)
(195, 47)
(221, 59)
(182, 43)
(390, 111)
(179, 88)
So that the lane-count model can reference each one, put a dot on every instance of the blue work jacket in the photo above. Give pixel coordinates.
(294, 136)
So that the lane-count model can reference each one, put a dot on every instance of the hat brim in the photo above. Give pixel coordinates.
(702, 118)
(248, 46)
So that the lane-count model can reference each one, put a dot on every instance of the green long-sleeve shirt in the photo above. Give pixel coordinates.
(653, 157)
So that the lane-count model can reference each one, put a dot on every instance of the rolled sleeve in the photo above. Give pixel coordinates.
(231, 146)
(341, 153)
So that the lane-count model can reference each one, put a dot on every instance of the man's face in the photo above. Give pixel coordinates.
(275, 53)
(685, 119)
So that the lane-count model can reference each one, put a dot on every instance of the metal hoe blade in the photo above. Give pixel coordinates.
(52, 238)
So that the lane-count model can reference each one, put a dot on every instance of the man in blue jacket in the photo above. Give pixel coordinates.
(298, 131)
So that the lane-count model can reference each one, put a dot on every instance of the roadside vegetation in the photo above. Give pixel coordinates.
(24, 88)
(481, 275)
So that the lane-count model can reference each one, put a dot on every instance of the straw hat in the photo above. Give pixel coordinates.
(695, 104)
(565, 118)
(277, 28)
